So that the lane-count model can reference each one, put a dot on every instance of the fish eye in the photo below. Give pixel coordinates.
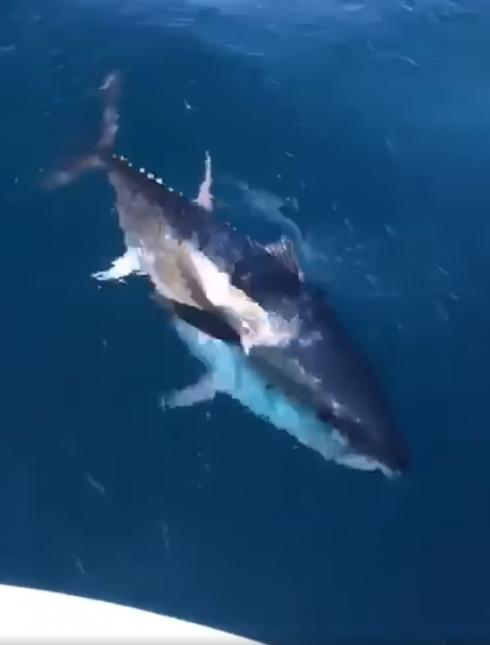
(326, 416)
(351, 428)
(354, 432)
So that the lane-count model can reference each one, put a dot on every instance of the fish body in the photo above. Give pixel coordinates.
(288, 335)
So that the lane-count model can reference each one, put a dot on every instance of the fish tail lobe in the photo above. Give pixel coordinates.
(99, 157)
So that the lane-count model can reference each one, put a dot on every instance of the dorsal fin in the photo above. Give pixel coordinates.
(284, 251)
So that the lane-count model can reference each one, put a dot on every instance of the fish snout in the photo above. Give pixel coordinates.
(380, 443)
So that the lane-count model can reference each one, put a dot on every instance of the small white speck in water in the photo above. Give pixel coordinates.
(166, 535)
(95, 484)
(442, 269)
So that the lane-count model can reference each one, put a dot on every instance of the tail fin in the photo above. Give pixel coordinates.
(98, 158)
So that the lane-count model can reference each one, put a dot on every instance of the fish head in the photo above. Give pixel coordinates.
(371, 439)
(338, 385)
(345, 390)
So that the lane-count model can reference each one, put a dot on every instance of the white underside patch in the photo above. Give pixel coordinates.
(255, 325)
(171, 277)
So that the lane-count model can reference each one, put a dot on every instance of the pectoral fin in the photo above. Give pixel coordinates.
(209, 322)
(122, 267)
(203, 390)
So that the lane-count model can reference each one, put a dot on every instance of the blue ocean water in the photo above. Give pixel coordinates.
(371, 124)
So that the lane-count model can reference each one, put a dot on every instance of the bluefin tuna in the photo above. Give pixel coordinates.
(276, 328)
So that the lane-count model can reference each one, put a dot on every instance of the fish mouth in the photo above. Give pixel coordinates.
(358, 461)
(390, 468)
(392, 460)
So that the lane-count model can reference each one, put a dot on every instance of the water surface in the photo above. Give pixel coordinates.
(370, 124)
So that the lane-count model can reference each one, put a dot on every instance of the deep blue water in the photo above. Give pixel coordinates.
(376, 119)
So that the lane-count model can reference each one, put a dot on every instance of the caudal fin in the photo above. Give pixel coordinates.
(97, 159)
